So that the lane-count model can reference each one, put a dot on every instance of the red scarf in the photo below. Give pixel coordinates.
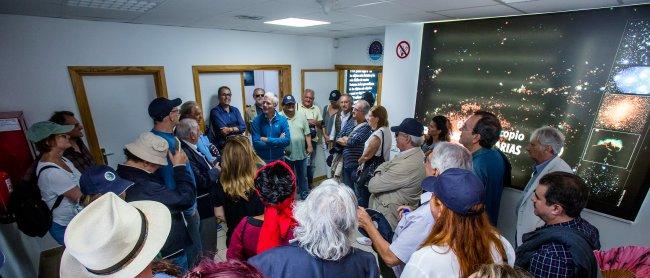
(278, 225)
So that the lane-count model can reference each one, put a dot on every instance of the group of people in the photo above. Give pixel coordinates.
(429, 211)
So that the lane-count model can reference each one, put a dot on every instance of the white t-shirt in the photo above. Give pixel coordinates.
(437, 261)
(387, 144)
(54, 182)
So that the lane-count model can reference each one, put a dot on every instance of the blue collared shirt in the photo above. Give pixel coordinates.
(203, 146)
(490, 168)
(167, 172)
(220, 118)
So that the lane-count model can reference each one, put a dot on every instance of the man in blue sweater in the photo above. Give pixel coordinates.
(270, 131)
(479, 134)
(166, 114)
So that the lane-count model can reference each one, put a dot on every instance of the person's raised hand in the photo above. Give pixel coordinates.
(178, 158)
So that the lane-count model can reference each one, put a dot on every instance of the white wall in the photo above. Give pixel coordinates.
(354, 51)
(399, 96)
(35, 53)
(400, 76)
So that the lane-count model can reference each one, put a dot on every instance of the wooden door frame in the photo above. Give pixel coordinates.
(284, 72)
(76, 76)
(343, 68)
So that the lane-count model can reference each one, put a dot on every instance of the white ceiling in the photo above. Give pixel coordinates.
(348, 17)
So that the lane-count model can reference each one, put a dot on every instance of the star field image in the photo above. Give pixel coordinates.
(555, 70)
(623, 112)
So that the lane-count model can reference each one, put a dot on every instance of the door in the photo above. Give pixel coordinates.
(118, 106)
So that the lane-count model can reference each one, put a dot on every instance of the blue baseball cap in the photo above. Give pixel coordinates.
(409, 126)
(160, 107)
(100, 179)
(458, 189)
(288, 99)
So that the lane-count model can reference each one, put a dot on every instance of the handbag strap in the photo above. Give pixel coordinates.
(382, 143)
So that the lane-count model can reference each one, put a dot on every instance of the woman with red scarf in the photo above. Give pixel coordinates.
(275, 184)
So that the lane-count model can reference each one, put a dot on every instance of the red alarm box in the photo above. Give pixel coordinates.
(16, 152)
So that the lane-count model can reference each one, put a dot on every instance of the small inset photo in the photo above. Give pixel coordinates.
(611, 148)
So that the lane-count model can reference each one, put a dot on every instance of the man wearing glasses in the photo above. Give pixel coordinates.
(253, 110)
(225, 119)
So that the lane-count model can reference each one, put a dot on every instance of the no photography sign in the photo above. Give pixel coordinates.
(403, 49)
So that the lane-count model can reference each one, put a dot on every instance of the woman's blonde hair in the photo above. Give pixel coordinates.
(238, 166)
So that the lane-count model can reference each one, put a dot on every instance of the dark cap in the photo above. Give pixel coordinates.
(101, 179)
(160, 107)
(458, 189)
(288, 99)
(335, 95)
(367, 96)
(409, 126)
(384, 228)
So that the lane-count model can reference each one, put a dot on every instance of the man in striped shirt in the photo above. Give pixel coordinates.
(354, 142)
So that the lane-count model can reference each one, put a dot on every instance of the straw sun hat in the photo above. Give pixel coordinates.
(113, 238)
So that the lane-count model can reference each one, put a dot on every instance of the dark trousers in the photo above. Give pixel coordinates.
(363, 195)
(299, 167)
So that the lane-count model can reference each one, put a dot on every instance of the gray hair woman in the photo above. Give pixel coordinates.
(322, 244)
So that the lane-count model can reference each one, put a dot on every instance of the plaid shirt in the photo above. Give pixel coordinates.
(82, 159)
(553, 259)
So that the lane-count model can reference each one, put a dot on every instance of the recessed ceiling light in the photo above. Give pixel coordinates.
(297, 22)
(516, 1)
(118, 5)
(248, 17)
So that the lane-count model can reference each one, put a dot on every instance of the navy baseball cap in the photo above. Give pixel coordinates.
(384, 228)
(458, 189)
(335, 95)
(367, 96)
(409, 126)
(100, 179)
(160, 107)
(288, 99)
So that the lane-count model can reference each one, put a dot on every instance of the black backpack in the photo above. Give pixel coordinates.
(33, 216)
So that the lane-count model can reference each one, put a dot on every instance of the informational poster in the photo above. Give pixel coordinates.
(361, 81)
(586, 73)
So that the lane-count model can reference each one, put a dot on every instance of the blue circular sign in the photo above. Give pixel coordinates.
(375, 50)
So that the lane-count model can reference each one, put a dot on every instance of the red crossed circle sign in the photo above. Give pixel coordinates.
(403, 49)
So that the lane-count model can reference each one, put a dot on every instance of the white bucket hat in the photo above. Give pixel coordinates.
(113, 238)
(149, 147)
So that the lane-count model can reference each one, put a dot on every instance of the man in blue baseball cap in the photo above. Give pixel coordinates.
(300, 146)
(166, 115)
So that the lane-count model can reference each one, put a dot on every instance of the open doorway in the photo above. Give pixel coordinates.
(242, 80)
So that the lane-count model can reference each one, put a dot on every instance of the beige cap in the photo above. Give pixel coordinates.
(149, 147)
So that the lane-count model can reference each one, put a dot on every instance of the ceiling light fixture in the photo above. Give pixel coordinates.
(118, 5)
(296, 22)
(248, 17)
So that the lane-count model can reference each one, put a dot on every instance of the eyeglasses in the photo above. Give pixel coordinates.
(226, 95)
(261, 95)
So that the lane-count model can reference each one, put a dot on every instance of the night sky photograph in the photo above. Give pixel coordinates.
(576, 71)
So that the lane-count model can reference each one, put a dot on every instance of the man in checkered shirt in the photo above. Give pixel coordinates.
(564, 246)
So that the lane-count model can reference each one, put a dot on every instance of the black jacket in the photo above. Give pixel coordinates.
(150, 187)
(205, 177)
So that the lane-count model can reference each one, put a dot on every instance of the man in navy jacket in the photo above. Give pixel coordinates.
(143, 156)
(270, 131)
